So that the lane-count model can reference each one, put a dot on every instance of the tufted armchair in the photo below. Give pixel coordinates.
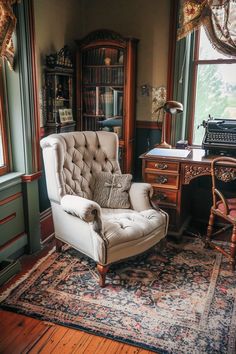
(72, 161)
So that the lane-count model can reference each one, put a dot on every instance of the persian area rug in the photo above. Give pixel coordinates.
(180, 299)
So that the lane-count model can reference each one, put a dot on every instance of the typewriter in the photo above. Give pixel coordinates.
(220, 136)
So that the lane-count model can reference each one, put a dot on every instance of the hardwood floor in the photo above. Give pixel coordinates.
(21, 334)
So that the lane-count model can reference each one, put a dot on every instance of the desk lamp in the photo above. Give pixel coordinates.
(172, 107)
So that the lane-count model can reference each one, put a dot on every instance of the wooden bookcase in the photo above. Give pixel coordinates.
(106, 87)
(58, 95)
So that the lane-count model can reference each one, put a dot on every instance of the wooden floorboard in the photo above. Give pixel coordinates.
(22, 335)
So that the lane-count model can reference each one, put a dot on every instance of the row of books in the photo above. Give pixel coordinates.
(97, 56)
(89, 123)
(104, 75)
(92, 123)
(107, 104)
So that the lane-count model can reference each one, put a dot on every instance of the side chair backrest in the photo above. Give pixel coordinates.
(222, 169)
(72, 161)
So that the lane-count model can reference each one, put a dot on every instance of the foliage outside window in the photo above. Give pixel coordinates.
(3, 134)
(214, 86)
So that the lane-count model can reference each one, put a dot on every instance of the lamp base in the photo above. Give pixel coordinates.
(163, 145)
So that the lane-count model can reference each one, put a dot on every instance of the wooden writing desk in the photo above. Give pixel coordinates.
(168, 175)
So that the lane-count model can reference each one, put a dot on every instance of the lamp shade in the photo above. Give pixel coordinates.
(173, 107)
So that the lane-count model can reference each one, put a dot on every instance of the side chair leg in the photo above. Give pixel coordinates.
(233, 248)
(102, 271)
(210, 229)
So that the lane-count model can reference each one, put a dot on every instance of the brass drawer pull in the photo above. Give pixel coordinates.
(162, 179)
(161, 166)
(160, 196)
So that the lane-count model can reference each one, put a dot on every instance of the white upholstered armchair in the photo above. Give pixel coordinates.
(72, 162)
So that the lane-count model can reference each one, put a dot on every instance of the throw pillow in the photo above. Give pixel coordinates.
(112, 190)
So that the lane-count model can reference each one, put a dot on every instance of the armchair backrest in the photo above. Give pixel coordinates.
(73, 159)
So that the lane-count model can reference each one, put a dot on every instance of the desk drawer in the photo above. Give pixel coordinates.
(160, 165)
(162, 180)
(165, 197)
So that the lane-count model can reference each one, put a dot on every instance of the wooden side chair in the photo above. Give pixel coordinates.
(223, 169)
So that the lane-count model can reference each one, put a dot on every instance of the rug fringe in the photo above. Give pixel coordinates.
(7, 292)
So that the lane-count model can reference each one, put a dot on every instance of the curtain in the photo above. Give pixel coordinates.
(7, 27)
(218, 18)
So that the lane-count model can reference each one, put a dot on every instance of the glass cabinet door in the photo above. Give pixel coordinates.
(106, 88)
(102, 89)
(58, 96)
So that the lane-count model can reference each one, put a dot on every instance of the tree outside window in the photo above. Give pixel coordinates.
(215, 86)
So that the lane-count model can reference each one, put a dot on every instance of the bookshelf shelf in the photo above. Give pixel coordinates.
(102, 66)
(105, 88)
(103, 85)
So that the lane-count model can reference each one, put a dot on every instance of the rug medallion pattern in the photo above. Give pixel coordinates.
(180, 299)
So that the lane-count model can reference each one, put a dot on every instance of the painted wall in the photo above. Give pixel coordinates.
(57, 23)
(149, 22)
(60, 22)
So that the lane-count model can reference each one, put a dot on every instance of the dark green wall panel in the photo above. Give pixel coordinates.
(145, 140)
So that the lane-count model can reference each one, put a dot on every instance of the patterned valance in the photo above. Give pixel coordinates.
(7, 27)
(218, 18)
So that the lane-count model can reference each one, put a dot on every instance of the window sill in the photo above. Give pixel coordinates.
(10, 179)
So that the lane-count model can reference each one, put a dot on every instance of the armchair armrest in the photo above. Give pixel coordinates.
(85, 209)
(140, 194)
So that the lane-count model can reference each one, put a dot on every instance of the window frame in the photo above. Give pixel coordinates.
(3, 129)
(196, 63)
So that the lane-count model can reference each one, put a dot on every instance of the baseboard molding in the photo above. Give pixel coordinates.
(48, 239)
(46, 226)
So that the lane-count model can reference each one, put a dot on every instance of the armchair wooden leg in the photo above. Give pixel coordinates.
(233, 248)
(102, 271)
(59, 245)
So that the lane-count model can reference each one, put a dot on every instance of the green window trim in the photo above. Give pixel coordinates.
(183, 79)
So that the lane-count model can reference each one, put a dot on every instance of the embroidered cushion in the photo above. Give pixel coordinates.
(112, 190)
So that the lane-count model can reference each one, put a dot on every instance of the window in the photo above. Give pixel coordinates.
(3, 134)
(214, 86)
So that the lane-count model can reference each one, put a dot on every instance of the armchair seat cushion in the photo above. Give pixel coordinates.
(121, 226)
